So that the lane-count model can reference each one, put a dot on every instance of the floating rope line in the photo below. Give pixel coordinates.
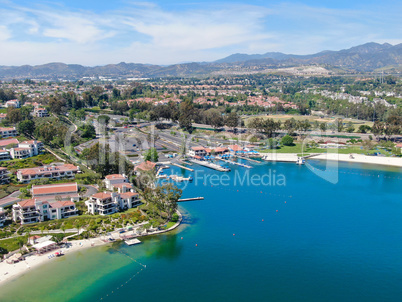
(129, 279)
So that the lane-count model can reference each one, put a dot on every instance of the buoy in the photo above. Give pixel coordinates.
(263, 220)
(234, 234)
(261, 192)
(277, 210)
(181, 238)
(285, 201)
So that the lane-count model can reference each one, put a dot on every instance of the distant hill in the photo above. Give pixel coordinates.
(363, 58)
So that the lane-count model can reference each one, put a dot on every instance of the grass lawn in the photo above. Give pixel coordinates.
(170, 224)
(11, 244)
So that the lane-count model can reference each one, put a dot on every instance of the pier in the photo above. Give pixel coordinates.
(183, 167)
(190, 199)
(236, 163)
(132, 241)
(247, 158)
(209, 165)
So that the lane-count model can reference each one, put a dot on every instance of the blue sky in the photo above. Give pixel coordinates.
(90, 32)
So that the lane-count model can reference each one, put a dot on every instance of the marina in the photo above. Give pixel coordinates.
(210, 165)
(236, 163)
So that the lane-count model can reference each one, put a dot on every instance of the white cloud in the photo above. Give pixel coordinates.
(146, 33)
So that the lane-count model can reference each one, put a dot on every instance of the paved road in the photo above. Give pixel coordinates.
(91, 190)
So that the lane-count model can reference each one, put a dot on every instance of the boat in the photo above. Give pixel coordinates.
(300, 161)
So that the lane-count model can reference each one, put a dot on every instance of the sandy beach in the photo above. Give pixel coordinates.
(12, 271)
(9, 272)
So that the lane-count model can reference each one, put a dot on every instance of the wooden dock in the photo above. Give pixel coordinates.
(183, 167)
(190, 199)
(236, 163)
(209, 165)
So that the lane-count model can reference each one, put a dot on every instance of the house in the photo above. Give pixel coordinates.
(34, 210)
(52, 172)
(123, 187)
(4, 176)
(3, 116)
(114, 179)
(145, 166)
(107, 203)
(8, 132)
(40, 112)
(399, 146)
(66, 191)
(221, 150)
(197, 151)
(13, 103)
(2, 217)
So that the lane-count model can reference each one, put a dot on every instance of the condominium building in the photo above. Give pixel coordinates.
(13, 103)
(35, 147)
(2, 217)
(40, 112)
(52, 172)
(107, 203)
(4, 155)
(4, 176)
(31, 211)
(20, 153)
(8, 132)
(112, 180)
(34, 210)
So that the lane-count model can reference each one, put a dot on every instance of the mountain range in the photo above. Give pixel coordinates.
(368, 57)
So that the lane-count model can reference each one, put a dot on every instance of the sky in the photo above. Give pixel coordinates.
(99, 32)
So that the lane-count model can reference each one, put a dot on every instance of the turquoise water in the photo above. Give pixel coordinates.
(309, 240)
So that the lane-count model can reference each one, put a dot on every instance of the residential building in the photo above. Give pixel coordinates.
(20, 153)
(40, 112)
(107, 203)
(34, 210)
(399, 146)
(4, 155)
(13, 103)
(2, 217)
(4, 176)
(66, 191)
(103, 203)
(35, 147)
(3, 116)
(52, 172)
(197, 151)
(31, 211)
(62, 209)
(115, 179)
(8, 132)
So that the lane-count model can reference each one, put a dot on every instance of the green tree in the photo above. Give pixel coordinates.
(26, 127)
(287, 140)
(151, 155)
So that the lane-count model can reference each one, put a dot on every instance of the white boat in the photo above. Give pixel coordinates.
(300, 161)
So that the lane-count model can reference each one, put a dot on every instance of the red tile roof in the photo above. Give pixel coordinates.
(200, 148)
(102, 195)
(128, 195)
(54, 189)
(61, 204)
(145, 166)
(115, 176)
(47, 169)
(235, 147)
(6, 142)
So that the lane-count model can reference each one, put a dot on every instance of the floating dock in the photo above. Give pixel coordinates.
(209, 165)
(132, 241)
(248, 158)
(190, 199)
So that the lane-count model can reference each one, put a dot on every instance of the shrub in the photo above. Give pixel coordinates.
(287, 140)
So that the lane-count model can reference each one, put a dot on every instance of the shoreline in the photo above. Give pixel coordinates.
(11, 272)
